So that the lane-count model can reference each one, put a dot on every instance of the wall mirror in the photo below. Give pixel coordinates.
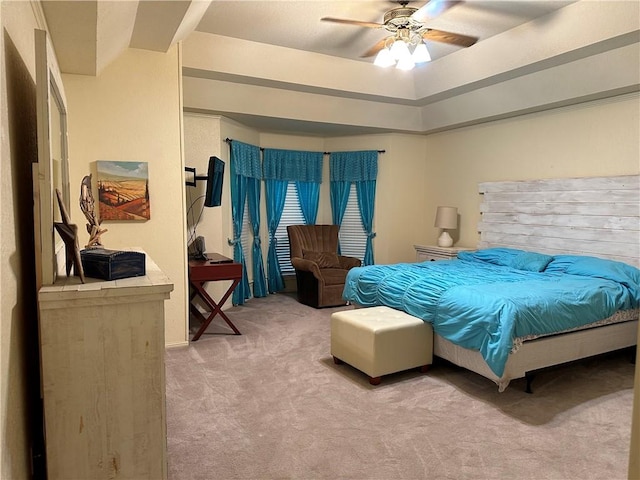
(52, 170)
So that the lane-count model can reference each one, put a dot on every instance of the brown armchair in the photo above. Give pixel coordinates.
(320, 271)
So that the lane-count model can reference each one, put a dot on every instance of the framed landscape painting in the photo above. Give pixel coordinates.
(123, 190)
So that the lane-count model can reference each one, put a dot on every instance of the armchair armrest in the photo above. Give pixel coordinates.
(306, 265)
(349, 262)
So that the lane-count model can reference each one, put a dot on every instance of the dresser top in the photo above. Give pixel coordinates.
(68, 288)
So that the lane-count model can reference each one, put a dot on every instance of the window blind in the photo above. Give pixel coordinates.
(353, 239)
(246, 239)
(291, 215)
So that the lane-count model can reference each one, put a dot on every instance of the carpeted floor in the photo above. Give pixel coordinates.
(271, 404)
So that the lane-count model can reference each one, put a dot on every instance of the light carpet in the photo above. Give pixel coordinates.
(271, 404)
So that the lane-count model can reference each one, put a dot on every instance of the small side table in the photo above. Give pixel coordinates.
(216, 268)
(432, 253)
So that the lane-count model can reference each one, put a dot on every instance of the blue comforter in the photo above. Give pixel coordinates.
(485, 299)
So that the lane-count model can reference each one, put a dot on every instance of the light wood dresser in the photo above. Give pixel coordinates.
(103, 378)
(426, 253)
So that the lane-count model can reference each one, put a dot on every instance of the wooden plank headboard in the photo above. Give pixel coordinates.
(598, 216)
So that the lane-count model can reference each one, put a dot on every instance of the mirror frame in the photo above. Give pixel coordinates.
(49, 88)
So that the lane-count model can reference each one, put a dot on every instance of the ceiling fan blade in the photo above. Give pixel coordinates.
(352, 22)
(375, 49)
(448, 37)
(432, 9)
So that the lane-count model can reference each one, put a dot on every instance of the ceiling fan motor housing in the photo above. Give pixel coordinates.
(400, 18)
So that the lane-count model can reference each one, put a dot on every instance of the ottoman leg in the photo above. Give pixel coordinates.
(374, 380)
(424, 368)
(337, 361)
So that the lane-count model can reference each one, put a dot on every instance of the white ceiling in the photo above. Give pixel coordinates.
(83, 30)
(296, 24)
(274, 65)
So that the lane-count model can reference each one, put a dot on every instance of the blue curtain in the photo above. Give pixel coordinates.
(309, 198)
(366, 193)
(245, 175)
(280, 168)
(339, 197)
(238, 197)
(275, 194)
(253, 200)
(360, 168)
(292, 165)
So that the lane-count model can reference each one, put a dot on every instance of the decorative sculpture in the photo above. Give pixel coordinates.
(69, 234)
(87, 205)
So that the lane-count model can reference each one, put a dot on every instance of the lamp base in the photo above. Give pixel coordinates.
(445, 240)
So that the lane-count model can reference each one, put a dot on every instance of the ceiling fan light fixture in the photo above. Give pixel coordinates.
(384, 59)
(421, 54)
(399, 50)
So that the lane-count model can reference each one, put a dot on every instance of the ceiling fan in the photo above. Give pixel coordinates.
(408, 24)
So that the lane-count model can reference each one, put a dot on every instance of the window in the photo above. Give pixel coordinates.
(353, 239)
(291, 215)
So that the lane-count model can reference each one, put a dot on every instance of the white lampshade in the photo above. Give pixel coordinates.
(421, 54)
(447, 219)
(384, 58)
(399, 50)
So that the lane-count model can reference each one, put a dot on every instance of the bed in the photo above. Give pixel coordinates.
(537, 235)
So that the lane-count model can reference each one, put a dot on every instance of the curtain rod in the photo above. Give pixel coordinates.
(229, 140)
(379, 151)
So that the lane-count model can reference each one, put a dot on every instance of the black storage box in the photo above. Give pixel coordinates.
(112, 264)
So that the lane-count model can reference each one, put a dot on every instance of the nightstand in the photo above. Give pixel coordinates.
(432, 253)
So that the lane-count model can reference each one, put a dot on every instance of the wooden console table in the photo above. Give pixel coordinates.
(216, 268)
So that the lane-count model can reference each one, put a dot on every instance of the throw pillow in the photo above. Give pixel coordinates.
(531, 261)
(323, 259)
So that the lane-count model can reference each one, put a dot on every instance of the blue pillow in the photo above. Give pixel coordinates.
(531, 261)
(587, 266)
(561, 263)
(498, 256)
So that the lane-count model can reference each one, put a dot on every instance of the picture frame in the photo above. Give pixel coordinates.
(123, 190)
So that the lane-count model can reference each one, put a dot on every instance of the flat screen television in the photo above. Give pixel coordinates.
(215, 174)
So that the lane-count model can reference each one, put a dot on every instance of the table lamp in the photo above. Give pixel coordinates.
(446, 219)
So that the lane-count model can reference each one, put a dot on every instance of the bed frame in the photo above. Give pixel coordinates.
(598, 216)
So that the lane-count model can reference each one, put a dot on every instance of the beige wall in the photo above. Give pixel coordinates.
(132, 112)
(590, 139)
(19, 379)
(201, 141)
(204, 137)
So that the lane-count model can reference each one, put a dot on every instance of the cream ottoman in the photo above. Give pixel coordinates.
(380, 340)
